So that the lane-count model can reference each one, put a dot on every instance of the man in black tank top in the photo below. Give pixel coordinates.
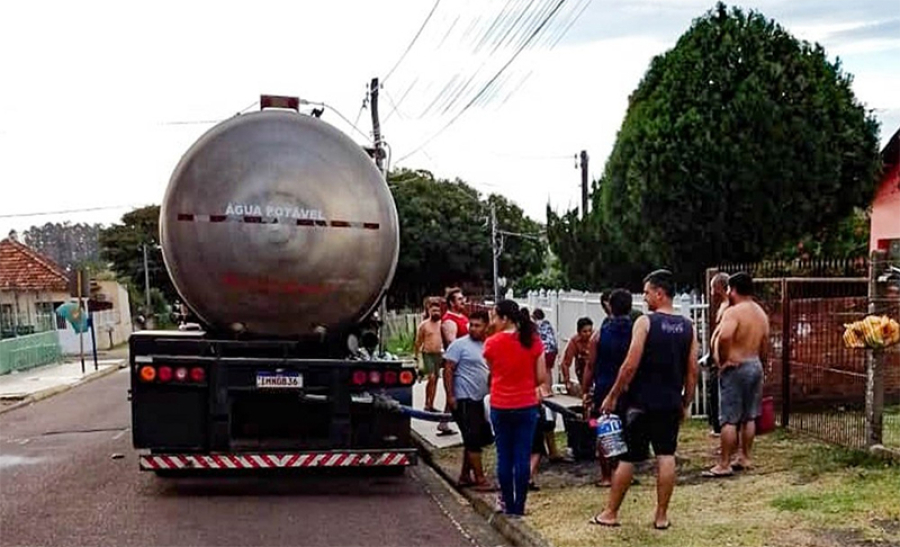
(656, 384)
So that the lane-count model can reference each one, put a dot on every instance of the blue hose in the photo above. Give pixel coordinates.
(425, 415)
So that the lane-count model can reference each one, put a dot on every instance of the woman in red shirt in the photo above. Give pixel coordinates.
(515, 357)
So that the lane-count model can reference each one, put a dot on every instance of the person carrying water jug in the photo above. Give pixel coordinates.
(657, 381)
(608, 349)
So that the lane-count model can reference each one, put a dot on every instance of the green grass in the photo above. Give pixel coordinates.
(801, 493)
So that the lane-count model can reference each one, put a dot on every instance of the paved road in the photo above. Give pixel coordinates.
(59, 485)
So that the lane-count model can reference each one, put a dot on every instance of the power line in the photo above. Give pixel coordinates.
(361, 108)
(394, 106)
(413, 42)
(338, 112)
(65, 211)
(534, 33)
(211, 122)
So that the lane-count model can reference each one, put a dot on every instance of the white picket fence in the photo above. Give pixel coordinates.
(564, 308)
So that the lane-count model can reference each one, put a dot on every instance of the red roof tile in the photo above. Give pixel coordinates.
(24, 269)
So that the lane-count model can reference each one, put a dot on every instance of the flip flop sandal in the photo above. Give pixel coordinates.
(595, 520)
(713, 475)
(599, 484)
(446, 433)
(664, 526)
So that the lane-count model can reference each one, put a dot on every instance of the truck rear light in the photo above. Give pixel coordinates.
(181, 374)
(359, 377)
(164, 374)
(374, 377)
(407, 377)
(148, 373)
(198, 374)
(390, 378)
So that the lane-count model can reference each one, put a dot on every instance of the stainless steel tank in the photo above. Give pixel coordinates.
(279, 224)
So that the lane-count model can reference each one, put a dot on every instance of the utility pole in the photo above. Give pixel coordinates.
(376, 126)
(584, 183)
(147, 307)
(495, 251)
(78, 282)
(379, 162)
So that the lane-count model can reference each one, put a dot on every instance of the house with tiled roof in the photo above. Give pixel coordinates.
(31, 287)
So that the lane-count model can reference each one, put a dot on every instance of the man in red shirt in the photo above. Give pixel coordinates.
(454, 325)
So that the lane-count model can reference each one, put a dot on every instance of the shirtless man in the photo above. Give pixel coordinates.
(719, 291)
(429, 345)
(741, 346)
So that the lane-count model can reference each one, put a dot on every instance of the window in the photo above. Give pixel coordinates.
(44, 316)
(6, 317)
(60, 320)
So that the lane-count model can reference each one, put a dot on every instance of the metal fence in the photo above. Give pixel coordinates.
(29, 351)
(819, 386)
(563, 308)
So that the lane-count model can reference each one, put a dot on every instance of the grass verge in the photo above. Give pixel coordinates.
(801, 493)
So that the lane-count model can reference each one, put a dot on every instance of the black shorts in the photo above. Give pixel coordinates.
(537, 440)
(476, 431)
(657, 428)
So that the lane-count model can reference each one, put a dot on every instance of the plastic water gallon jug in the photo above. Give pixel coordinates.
(609, 436)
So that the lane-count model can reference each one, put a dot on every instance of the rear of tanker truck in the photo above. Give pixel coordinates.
(281, 236)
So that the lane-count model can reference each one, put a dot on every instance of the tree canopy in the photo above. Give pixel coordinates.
(69, 245)
(738, 141)
(445, 237)
(122, 246)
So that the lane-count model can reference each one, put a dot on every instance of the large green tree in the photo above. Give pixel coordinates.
(122, 246)
(445, 237)
(737, 141)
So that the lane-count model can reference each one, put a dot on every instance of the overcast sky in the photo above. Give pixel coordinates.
(94, 94)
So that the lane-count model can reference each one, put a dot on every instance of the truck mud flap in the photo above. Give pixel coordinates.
(175, 462)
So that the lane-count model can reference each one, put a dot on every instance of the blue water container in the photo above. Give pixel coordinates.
(610, 437)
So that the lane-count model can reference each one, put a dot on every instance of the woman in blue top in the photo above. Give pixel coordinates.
(608, 349)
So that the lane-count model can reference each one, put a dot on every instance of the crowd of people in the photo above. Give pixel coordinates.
(498, 367)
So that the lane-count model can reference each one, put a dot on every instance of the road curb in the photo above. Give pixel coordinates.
(514, 530)
(51, 391)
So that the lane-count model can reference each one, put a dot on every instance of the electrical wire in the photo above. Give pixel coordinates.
(453, 120)
(341, 116)
(413, 42)
(394, 107)
(210, 122)
(66, 211)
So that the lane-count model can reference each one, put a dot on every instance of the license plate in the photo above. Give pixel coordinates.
(280, 380)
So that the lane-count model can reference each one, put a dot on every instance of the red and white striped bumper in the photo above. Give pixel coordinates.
(155, 462)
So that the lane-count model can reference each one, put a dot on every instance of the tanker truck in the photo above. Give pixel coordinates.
(281, 235)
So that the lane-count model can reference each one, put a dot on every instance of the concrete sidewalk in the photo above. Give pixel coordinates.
(25, 387)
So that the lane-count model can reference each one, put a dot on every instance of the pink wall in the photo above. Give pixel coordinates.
(886, 209)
